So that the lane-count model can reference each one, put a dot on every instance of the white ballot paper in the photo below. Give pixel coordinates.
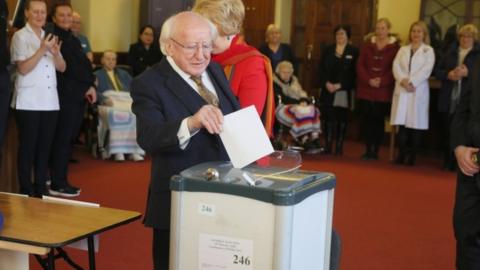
(244, 137)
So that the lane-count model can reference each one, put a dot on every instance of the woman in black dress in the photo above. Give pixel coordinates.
(337, 77)
(145, 53)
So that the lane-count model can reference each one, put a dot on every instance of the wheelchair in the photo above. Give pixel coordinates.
(283, 138)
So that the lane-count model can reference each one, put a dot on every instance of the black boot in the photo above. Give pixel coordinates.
(328, 135)
(368, 152)
(340, 137)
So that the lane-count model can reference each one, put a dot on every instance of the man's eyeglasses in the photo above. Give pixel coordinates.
(191, 49)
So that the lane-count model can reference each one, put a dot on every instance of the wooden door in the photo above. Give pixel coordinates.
(155, 12)
(258, 15)
(313, 22)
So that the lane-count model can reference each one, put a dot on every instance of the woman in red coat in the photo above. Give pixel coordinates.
(248, 71)
(375, 85)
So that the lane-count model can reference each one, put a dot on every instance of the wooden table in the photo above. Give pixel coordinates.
(39, 226)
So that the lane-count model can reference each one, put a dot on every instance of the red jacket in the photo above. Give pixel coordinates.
(374, 63)
(250, 76)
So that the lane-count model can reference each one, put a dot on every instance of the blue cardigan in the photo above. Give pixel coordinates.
(105, 84)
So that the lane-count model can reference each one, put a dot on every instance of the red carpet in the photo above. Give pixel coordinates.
(389, 217)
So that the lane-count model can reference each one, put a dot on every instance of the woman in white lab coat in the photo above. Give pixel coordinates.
(412, 68)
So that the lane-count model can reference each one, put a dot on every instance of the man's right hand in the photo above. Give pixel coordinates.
(209, 117)
(464, 158)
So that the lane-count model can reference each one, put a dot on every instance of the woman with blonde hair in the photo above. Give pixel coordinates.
(453, 71)
(248, 71)
(275, 50)
(375, 85)
(412, 68)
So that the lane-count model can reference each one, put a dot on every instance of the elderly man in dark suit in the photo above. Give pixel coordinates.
(179, 104)
(465, 132)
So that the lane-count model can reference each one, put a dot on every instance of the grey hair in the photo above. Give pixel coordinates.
(286, 65)
(170, 26)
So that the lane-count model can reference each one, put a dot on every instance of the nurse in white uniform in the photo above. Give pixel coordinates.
(37, 57)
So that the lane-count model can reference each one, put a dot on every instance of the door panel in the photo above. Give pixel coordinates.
(258, 15)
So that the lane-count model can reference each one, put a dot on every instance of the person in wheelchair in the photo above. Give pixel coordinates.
(295, 108)
(114, 111)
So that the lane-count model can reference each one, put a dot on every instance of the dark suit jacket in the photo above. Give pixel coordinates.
(465, 129)
(448, 62)
(161, 100)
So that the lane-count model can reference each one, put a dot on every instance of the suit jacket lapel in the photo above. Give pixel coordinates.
(176, 85)
(192, 100)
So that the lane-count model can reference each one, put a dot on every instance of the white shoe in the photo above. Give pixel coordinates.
(104, 154)
(136, 157)
(119, 157)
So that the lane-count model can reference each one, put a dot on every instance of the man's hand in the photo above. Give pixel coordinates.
(91, 95)
(209, 117)
(464, 159)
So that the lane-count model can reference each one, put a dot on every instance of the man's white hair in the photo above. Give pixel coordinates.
(170, 27)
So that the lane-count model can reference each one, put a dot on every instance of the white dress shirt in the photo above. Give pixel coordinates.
(36, 90)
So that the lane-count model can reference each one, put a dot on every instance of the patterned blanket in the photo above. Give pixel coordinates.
(301, 119)
(119, 123)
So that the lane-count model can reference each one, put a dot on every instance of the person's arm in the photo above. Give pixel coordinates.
(26, 65)
(156, 133)
(347, 78)
(426, 68)
(387, 77)
(444, 67)
(460, 140)
(253, 84)
(363, 77)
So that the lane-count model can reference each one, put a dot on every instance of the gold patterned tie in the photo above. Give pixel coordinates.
(208, 96)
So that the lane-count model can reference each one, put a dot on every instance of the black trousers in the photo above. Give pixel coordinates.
(466, 222)
(160, 250)
(409, 139)
(69, 120)
(373, 115)
(35, 131)
(4, 103)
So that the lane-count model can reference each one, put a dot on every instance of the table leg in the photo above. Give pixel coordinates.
(91, 252)
(51, 259)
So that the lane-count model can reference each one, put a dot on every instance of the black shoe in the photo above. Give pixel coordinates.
(65, 191)
(74, 187)
(41, 193)
(313, 147)
(366, 156)
(73, 160)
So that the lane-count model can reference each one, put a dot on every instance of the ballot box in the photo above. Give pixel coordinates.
(259, 217)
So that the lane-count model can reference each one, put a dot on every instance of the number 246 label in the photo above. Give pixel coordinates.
(218, 252)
